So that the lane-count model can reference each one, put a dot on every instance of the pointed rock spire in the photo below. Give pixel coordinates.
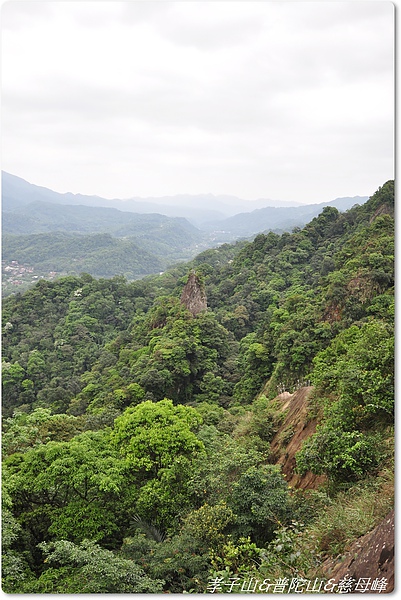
(193, 295)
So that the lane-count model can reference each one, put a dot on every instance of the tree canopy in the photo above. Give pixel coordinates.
(138, 435)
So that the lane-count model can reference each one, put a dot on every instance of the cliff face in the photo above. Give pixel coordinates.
(288, 440)
(193, 295)
(370, 558)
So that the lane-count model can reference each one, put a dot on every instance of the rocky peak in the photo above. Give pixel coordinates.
(193, 295)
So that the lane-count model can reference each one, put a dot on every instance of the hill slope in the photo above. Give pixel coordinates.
(156, 240)
(144, 444)
(276, 218)
(206, 211)
(101, 255)
(104, 242)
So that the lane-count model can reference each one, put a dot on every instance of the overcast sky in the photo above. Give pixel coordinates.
(281, 100)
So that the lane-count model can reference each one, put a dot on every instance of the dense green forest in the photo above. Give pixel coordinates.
(136, 434)
(68, 240)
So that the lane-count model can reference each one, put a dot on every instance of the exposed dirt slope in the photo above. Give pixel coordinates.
(369, 561)
(288, 439)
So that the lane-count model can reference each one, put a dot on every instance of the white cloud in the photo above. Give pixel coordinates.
(154, 98)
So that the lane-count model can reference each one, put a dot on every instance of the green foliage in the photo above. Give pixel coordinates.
(58, 330)
(354, 511)
(24, 431)
(359, 366)
(260, 499)
(286, 554)
(341, 455)
(15, 569)
(181, 561)
(237, 558)
(158, 445)
(89, 569)
(152, 435)
(169, 354)
(181, 489)
(74, 485)
(214, 479)
(208, 523)
(266, 417)
(299, 549)
(256, 365)
(13, 376)
(358, 369)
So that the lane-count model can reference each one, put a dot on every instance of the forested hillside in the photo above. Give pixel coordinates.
(48, 240)
(138, 436)
(46, 234)
(271, 218)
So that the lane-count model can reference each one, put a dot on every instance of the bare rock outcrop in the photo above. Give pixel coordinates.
(367, 563)
(194, 295)
(369, 559)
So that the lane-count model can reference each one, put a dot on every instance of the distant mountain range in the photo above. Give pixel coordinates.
(276, 218)
(196, 208)
(47, 229)
(199, 209)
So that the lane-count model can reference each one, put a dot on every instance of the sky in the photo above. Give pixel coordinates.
(289, 101)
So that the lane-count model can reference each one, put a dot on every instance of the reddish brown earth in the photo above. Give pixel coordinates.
(371, 557)
(284, 446)
(369, 561)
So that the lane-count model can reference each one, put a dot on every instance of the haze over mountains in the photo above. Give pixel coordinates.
(203, 210)
(197, 208)
(237, 406)
(55, 232)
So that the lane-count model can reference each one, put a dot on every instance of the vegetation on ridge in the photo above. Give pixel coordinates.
(137, 436)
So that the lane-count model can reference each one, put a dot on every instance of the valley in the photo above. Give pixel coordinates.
(225, 424)
(65, 234)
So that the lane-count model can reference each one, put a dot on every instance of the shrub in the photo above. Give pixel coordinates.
(341, 455)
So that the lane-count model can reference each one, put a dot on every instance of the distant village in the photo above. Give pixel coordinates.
(16, 275)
